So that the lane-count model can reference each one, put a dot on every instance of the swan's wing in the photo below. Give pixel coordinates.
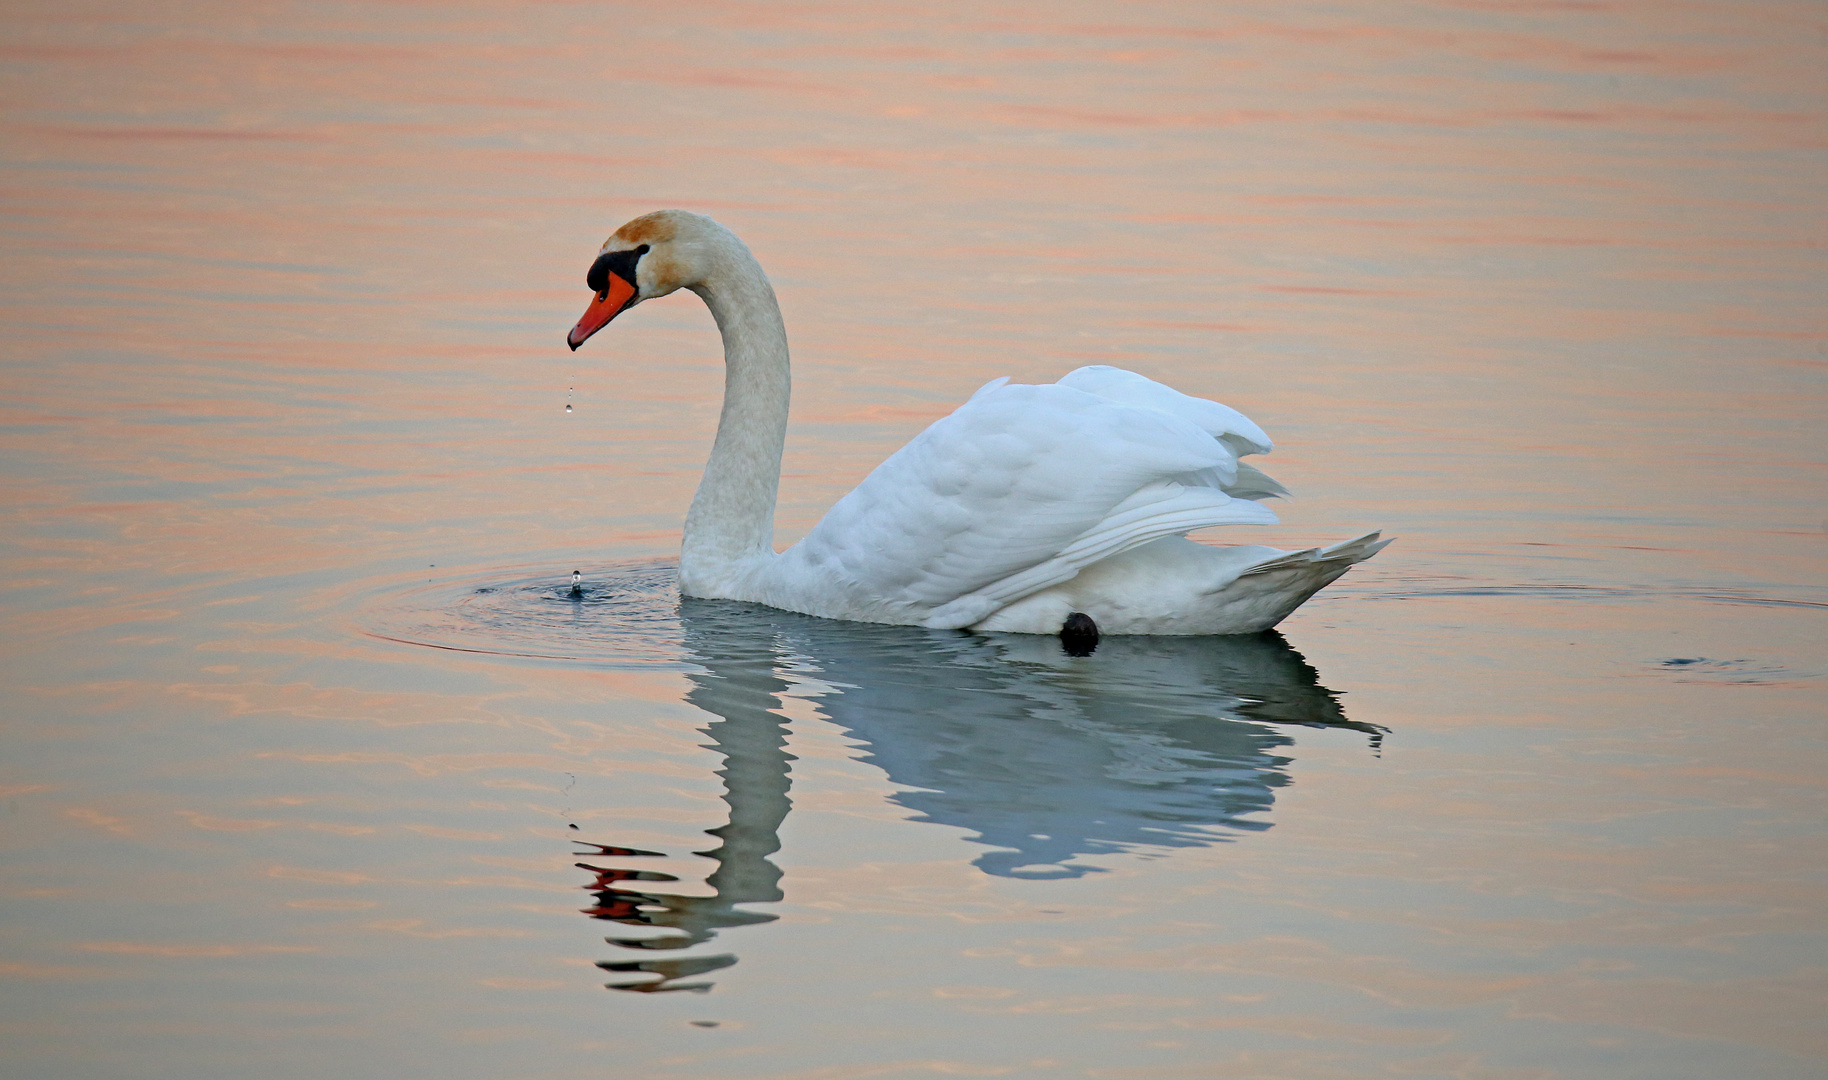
(1222, 422)
(1129, 388)
(1014, 492)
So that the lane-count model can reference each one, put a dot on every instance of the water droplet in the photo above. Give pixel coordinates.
(567, 407)
(577, 582)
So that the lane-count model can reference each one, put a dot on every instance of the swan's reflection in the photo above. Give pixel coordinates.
(741, 686)
(1044, 758)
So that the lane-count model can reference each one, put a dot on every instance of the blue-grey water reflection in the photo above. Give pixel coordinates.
(1043, 757)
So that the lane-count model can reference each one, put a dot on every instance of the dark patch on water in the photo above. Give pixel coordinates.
(1424, 590)
(1707, 669)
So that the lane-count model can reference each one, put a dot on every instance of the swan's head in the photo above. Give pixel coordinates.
(651, 256)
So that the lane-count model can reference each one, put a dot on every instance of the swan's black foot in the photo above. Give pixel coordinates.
(1079, 634)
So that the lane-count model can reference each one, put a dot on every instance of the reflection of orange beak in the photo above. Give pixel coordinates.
(609, 303)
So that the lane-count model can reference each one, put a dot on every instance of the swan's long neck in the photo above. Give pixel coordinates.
(731, 522)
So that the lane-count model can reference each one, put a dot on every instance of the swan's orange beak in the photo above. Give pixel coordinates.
(617, 295)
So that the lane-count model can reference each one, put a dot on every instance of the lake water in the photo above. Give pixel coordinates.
(315, 767)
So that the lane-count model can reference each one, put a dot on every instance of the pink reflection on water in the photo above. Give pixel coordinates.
(1535, 285)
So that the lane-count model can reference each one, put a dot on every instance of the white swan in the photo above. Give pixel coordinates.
(1027, 505)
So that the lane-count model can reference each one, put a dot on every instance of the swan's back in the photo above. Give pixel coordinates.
(1017, 491)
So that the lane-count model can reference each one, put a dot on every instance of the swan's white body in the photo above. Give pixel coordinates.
(1026, 505)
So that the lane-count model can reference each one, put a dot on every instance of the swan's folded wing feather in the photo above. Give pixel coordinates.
(1244, 481)
(1158, 510)
(1128, 388)
(1008, 482)
(1254, 483)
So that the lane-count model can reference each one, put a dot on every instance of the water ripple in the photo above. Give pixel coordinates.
(620, 613)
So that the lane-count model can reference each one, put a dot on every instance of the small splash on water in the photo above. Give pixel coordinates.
(627, 613)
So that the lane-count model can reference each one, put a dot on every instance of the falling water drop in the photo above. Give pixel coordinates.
(568, 391)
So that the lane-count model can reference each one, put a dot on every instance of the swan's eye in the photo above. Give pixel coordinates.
(620, 263)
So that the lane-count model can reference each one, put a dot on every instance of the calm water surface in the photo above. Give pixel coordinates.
(314, 766)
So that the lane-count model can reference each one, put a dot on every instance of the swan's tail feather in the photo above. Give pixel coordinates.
(1341, 555)
(1263, 595)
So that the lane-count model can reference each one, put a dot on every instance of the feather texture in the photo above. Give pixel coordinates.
(1018, 490)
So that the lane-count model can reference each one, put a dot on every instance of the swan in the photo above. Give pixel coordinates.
(1026, 508)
